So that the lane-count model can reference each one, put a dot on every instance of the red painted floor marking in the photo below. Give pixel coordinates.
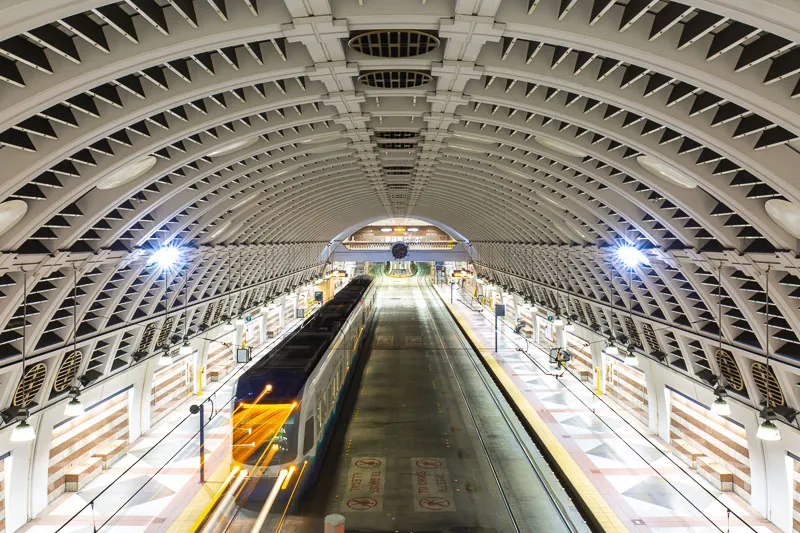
(434, 503)
(362, 504)
(368, 463)
(429, 463)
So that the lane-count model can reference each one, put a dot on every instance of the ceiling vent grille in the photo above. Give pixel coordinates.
(30, 385)
(767, 384)
(397, 146)
(395, 79)
(730, 370)
(67, 371)
(396, 134)
(394, 43)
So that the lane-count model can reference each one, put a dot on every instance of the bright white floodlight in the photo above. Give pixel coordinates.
(165, 257)
(631, 256)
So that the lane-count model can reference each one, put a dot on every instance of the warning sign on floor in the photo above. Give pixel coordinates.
(431, 485)
(413, 340)
(384, 341)
(365, 480)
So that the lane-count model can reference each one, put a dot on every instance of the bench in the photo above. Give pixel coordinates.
(526, 332)
(585, 375)
(111, 453)
(715, 473)
(212, 375)
(686, 452)
(79, 476)
(272, 332)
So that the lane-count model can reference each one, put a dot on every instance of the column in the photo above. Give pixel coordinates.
(238, 335)
(536, 335)
(139, 411)
(40, 460)
(17, 489)
(770, 485)
(199, 356)
(282, 313)
(561, 337)
(262, 337)
(599, 365)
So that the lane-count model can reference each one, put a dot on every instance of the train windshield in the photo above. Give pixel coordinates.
(263, 433)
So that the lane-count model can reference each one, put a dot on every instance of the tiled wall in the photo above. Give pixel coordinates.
(581, 353)
(73, 442)
(715, 436)
(628, 387)
(253, 333)
(288, 312)
(219, 357)
(171, 385)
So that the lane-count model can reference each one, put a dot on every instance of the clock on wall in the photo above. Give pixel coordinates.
(399, 250)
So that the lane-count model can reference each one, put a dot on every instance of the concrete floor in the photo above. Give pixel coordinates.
(407, 456)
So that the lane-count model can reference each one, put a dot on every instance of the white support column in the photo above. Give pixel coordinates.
(536, 334)
(238, 335)
(18, 509)
(770, 478)
(561, 336)
(40, 461)
(199, 357)
(262, 331)
(658, 398)
(599, 366)
(139, 410)
(282, 313)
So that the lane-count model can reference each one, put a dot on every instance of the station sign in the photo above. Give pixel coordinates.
(500, 309)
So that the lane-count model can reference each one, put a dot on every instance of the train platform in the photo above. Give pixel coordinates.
(425, 442)
(628, 477)
(156, 485)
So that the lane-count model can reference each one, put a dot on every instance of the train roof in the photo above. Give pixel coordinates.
(289, 364)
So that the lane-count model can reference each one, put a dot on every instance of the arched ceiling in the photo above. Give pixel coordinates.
(527, 130)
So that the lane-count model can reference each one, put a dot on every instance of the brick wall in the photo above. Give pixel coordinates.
(628, 387)
(171, 386)
(715, 436)
(73, 442)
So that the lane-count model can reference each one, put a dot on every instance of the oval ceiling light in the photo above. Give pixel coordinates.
(245, 200)
(11, 212)
(560, 146)
(474, 138)
(232, 147)
(327, 148)
(325, 137)
(218, 231)
(784, 213)
(662, 170)
(467, 148)
(127, 173)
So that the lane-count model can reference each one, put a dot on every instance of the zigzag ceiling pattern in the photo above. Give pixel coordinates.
(531, 127)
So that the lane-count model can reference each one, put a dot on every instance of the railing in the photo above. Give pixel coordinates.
(612, 420)
(386, 246)
(108, 508)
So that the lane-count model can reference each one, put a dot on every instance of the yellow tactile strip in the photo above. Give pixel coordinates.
(593, 502)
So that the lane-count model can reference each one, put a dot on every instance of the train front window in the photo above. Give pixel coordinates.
(257, 427)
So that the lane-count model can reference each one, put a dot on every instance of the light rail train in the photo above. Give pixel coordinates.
(287, 403)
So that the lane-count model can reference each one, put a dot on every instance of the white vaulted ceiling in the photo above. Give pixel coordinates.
(547, 132)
